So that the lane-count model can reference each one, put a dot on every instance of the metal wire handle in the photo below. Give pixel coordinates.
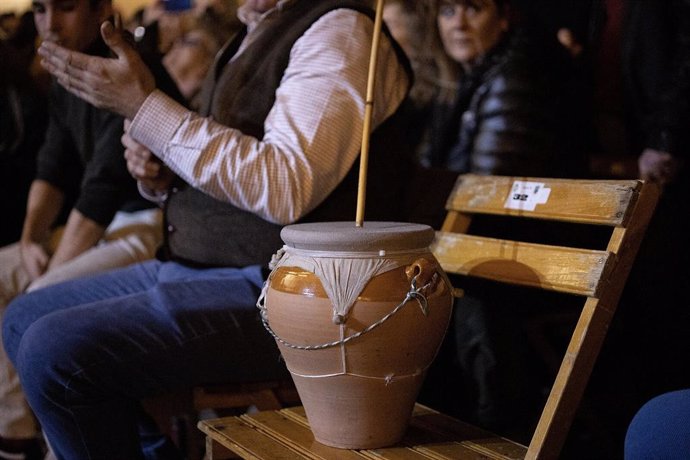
(413, 293)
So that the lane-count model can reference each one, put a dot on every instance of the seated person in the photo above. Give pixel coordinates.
(510, 111)
(159, 23)
(281, 147)
(189, 59)
(81, 181)
(23, 122)
(428, 188)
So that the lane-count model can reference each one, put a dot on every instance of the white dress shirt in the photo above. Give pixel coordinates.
(313, 132)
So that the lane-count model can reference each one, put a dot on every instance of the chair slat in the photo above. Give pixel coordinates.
(460, 451)
(247, 440)
(566, 200)
(296, 436)
(555, 268)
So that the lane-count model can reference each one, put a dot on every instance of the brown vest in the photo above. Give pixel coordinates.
(203, 231)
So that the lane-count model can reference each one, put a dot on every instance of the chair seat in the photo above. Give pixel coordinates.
(285, 434)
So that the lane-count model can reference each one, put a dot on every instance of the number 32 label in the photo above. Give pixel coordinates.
(526, 196)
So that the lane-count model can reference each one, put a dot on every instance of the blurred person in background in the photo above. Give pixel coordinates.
(192, 54)
(513, 111)
(84, 214)
(428, 188)
(189, 60)
(23, 121)
(635, 56)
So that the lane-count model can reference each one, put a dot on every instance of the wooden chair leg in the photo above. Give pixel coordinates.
(216, 451)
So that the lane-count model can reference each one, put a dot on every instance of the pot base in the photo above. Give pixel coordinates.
(369, 413)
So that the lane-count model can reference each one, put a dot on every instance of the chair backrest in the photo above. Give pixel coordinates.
(598, 275)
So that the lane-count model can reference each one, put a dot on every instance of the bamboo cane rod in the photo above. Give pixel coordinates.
(368, 108)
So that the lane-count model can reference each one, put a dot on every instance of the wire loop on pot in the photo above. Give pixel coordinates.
(414, 293)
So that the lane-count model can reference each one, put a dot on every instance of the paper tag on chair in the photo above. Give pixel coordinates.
(525, 196)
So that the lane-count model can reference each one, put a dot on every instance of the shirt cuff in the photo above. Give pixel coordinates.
(155, 196)
(157, 121)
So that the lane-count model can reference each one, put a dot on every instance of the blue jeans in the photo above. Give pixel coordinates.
(88, 350)
(661, 428)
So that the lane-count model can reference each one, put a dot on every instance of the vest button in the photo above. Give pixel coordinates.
(174, 190)
(171, 228)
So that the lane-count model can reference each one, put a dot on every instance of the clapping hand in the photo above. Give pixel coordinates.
(144, 166)
(119, 84)
(658, 166)
(35, 259)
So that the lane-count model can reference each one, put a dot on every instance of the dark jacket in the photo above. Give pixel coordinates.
(654, 67)
(656, 73)
(514, 115)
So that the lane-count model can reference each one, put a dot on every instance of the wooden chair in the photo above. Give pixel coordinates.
(274, 394)
(625, 206)
(178, 413)
(597, 276)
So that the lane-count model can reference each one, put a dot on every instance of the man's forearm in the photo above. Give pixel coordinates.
(43, 206)
(81, 234)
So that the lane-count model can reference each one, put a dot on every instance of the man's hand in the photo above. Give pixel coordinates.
(144, 166)
(658, 166)
(34, 258)
(120, 85)
(566, 37)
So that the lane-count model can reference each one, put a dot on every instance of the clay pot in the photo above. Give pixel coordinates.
(358, 314)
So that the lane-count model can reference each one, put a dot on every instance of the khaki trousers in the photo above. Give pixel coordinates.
(131, 237)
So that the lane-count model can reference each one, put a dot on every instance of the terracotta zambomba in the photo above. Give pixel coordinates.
(359, 314)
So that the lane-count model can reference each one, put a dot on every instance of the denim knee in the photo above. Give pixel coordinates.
(14, 323)
(661, 428)
(43, 360)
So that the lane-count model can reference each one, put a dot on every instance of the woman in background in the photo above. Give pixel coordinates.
(512, 110)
